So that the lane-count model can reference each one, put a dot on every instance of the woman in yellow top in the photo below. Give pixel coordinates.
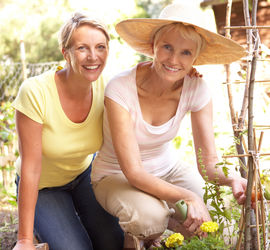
(59, 124)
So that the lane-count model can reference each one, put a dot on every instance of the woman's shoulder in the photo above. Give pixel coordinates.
(196, 93)
(39, 81)
(30, 99)
(195, 82)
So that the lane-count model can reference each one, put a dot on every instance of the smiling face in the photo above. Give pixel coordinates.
(173, 55)
(87, 53)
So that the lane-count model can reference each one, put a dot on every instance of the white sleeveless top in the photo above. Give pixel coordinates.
(156, 153)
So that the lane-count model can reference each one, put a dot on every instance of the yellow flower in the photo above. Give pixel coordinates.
(174, 240)
(59, 68)
(209, 227)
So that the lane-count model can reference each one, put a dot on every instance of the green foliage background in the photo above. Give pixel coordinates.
(37, 22)
(32, 21)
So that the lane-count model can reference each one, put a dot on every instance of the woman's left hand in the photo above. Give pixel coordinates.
(194, 72)
(239, 186)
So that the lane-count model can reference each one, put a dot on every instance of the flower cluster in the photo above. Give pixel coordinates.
(174, 240)
(209, 227)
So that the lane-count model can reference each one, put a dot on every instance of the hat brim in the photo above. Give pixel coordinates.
(218, 49)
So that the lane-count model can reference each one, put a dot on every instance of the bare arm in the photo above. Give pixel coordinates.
(30, 148)
(203, 135)
(127, 151)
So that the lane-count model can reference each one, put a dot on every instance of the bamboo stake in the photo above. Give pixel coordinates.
(263, 218)
(260, 141)
(256, 126)
(267, 224)
(248, 236)
(22, 51)
(227, 66)
(234, 117)
(249, 88)
(257, 171)
(249, 43)
(256, 190)
(247, 27)
(261, 189)
(241, 227)
(245, 145)
(262, 126)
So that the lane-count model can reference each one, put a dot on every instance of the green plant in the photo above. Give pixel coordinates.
(212, 241)
(7, 139)
(7, 124)
(223, 208)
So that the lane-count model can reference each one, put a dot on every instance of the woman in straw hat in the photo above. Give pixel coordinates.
(136, 176)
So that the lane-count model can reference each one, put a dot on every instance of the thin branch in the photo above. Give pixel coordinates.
(244, 155)
(227, 66)
(248, 236)
(238, 82)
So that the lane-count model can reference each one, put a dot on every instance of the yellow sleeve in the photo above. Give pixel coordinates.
(30, 100)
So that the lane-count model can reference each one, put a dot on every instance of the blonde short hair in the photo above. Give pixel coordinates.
(186, 31)
(78, 19)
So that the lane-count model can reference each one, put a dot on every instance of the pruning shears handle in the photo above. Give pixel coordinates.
(182, 208)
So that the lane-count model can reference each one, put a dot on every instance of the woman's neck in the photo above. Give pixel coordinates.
(71, 85)
(149, 81)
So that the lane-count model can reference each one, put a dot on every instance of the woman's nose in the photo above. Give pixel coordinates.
(92, 55)
(174, 58)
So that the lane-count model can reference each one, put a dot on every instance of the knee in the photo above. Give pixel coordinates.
(145, 220)
(139, 213)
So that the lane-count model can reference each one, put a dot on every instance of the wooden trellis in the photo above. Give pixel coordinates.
(252, 151)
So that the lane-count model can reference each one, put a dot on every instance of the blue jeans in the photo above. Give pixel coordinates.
(70, 218)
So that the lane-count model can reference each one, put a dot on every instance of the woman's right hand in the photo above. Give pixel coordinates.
(24, 245)
(196, 215)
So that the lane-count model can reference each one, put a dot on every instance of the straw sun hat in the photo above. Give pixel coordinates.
(138, 33)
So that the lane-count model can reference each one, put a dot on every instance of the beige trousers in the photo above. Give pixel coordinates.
(141, 214)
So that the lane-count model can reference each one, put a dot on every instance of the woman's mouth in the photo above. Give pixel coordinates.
(170, 68)
(91, 67)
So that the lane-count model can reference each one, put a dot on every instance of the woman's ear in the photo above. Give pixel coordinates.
(66, 55)
(152, 47)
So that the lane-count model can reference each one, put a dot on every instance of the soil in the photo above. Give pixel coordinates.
(8, 223)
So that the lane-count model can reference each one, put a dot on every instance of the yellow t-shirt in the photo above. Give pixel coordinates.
(67, 147)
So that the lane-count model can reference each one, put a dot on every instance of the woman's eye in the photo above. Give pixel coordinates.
(101, 47)
(167, 46)
(186, 53)
(81, 48)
